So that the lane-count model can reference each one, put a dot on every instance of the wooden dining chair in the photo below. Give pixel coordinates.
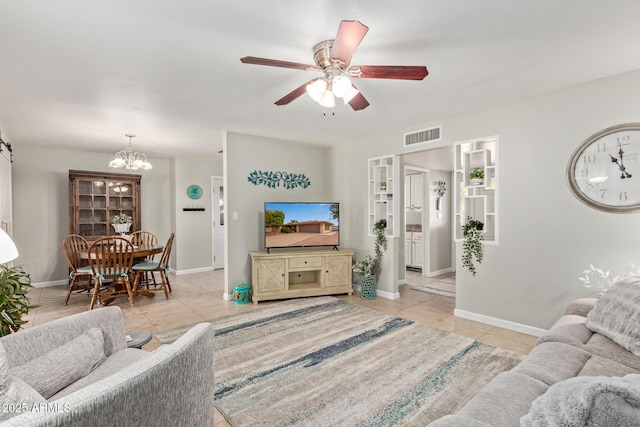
(161, 267)
(111, 258)
(145, 238)
(72, 246)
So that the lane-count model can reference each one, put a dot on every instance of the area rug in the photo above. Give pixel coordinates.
(445, 287)
(322, 361)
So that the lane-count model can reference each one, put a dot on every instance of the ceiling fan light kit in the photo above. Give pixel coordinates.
(332, 58)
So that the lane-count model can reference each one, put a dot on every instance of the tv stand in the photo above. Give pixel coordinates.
(291, 274)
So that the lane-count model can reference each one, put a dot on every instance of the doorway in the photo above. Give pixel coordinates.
(429, 221)
(217, 221)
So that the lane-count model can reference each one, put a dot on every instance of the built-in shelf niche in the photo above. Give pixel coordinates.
(477, 200)
(383, 191)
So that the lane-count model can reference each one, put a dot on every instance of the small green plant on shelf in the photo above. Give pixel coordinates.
(476, 173)
(472, 239)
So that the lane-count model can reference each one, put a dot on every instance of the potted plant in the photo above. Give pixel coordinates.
(14, 302)
(472, 244)
(121, 223)
(477, 176)
(368, 267)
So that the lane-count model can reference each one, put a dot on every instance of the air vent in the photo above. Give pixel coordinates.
(422, 136)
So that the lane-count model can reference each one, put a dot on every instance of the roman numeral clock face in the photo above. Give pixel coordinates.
(604, 171)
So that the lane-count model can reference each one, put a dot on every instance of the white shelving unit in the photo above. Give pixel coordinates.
(479, 201)
(384, 183)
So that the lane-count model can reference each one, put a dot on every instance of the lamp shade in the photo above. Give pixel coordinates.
(340, 86)
(8, 250)
(317, 89)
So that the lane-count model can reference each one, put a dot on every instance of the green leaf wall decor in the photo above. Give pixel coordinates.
(273, 179)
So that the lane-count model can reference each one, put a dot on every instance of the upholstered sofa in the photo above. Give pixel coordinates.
(111, 384)
(579, 364)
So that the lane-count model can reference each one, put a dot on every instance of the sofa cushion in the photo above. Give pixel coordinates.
(568, 361)
(617, 314)
(114, 363)
(15, 395)
(64, 365)
(588, 401)
(601, 366)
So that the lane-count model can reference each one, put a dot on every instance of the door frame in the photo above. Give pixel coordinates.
(215, 201)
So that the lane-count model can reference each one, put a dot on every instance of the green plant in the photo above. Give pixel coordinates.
(14, 302)
(472, 244)
(371, 265)
(476, 173)
(285, 230)
(121, 218)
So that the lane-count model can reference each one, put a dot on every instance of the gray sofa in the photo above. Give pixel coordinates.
(170, 386)
(569, 349)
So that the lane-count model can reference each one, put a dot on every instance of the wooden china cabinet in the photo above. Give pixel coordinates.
(96, 197)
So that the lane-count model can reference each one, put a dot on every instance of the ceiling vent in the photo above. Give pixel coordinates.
(422, 136)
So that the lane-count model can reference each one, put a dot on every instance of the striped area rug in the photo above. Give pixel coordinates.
(325, 362)
(445, 287)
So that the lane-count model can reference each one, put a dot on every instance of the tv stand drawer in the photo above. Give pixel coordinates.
(306, 262)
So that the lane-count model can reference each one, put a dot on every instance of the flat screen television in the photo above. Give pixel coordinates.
(301, 224)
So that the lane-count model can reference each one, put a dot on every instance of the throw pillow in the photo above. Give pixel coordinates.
(616, 314)
(15, 396)
(588, 402)
(52, 372)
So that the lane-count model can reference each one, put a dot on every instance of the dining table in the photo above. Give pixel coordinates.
(139, 254)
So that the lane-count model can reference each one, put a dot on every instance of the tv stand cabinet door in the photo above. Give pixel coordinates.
(269, 275)
(337, 271)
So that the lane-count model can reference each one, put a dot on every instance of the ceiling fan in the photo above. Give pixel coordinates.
(332, 57)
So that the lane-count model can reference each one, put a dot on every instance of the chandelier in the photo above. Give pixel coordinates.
(129, 159)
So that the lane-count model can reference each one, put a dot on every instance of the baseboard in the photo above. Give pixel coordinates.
(383, 294)
(51, 283)
(439, 272)
(192, 270)
(505, 324)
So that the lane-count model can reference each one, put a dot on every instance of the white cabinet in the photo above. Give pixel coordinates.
(291, 274)
(384, 183)
(414, 191)
(475, 198)
(414, 249)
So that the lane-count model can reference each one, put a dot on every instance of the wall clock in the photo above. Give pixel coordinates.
(194, 192)
(604, 171)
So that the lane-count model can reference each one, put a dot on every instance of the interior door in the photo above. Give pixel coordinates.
(217, 207)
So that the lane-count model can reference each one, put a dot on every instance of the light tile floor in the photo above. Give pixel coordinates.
(198, 297)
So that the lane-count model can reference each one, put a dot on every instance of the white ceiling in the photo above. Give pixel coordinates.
(78, 73)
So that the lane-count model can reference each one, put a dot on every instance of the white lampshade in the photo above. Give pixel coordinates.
(328, 100)
(317, 89)
(350, 95)
(340, 86)
(8, 250)
(118, 162)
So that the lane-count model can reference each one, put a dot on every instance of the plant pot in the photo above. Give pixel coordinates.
(122, 228)
(367, 286)
(477, 181)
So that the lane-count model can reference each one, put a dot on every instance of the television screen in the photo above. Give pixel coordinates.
(301, 224)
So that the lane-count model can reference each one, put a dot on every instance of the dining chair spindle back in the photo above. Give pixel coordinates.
(72, 245)
(111, 258)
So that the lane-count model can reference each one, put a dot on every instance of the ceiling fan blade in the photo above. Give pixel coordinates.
(294, 94)
(350, 34)
(359, 102)
(389, 72)
(277, 63)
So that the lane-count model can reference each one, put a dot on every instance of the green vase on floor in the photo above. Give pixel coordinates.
(367, 286)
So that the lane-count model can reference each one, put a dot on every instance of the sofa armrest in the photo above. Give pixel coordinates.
(174, 385)
(581, 307)
(30, 343)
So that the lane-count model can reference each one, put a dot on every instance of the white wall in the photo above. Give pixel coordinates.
(245, 154)
(192, 244)
(440, 227)
(547, 237)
